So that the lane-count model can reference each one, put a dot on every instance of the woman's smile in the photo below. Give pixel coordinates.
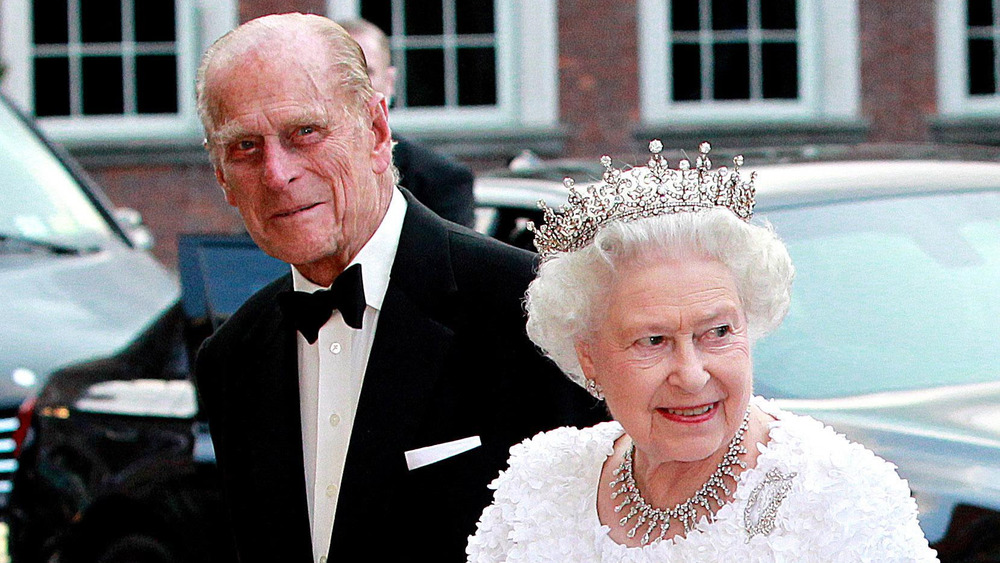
(689, 415)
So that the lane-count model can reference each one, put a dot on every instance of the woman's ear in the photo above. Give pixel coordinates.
(583, 355)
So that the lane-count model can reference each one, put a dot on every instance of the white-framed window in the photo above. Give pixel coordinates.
(94, 71)
(489, 64)
(704, 61)
(968, 33)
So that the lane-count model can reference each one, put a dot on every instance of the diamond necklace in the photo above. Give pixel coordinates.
(685, 512)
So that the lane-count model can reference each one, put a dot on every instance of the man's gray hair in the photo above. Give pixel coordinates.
(566, 300)
(347, 61)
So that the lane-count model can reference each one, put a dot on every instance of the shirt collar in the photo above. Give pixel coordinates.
(376, 256)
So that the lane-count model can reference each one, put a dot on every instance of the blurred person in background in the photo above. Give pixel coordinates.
(438, 182)
(652, 290)
(360, 404)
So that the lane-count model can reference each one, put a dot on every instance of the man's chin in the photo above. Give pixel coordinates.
(297, 246)
(301, 255)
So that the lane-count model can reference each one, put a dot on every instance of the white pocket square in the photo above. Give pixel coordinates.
(433, 454)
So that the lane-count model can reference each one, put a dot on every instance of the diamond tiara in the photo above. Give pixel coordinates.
(641, 192)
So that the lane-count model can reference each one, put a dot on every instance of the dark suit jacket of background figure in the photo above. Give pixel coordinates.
(450, 360)
(436, 181)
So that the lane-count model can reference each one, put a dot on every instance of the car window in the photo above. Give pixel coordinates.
(39, 199)
(509, 224)
(889, 294)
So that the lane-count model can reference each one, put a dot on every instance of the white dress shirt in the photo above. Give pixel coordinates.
(331, 372)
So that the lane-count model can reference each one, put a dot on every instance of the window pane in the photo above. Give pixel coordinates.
(729, 14)
(981, 64)
(686, 77)
(379, 12)
(102, 85)
(101, 21)
(684, 15)
(474, 17)
(980, 12)
(780, 70)
(477, 83)
(732, 71)
(51, 87)
(777, 14)
(156, 83)
(423, 17)
(50, 22)
(425, 77)
(154, 20)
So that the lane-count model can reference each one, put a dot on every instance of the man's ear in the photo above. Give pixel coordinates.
(221, 179)
(382, 148)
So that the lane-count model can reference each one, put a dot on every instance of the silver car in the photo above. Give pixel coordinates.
(893, 336)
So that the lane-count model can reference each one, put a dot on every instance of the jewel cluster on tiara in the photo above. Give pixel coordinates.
(641, 192)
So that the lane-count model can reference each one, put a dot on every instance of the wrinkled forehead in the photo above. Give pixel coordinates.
(294, 70)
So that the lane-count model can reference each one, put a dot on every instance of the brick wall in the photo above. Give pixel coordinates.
(173, 199)
(598, 75)
(898, 82)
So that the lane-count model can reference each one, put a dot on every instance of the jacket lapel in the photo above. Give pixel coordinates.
(267, 404)
(411, 343)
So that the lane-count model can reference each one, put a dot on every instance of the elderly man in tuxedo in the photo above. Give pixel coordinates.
(359, 405)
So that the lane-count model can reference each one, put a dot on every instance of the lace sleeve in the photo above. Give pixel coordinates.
(543, 504)
(893, 534)
(877, 512)
(491, 542)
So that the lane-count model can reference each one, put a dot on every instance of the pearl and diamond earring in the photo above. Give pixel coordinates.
(594, 388)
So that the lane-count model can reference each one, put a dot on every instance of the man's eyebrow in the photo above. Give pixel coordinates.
(228, 133)
(233, 131)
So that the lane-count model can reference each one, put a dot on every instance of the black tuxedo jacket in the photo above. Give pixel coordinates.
(450, 360)
(440, 183)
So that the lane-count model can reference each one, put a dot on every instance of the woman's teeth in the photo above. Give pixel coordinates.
(692, 411)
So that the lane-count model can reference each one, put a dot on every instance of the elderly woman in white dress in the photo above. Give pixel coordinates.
(652, 290)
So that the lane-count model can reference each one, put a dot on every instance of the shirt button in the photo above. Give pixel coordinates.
(334, 419)
(331, 491)
(322, 559)
(335, 347)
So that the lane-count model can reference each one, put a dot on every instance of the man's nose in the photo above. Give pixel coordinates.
(279, 166)
(688, 370)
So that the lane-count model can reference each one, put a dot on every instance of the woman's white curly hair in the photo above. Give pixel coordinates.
(564, 302)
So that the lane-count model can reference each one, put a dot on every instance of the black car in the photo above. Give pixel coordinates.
(77, 282)
(118, 466)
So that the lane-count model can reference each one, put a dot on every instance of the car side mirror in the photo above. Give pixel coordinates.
(137, 232)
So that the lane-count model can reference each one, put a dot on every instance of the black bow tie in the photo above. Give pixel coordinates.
(310, 311)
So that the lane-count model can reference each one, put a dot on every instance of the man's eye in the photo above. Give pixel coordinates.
(652, 340)
(245, 145)
(306, 130)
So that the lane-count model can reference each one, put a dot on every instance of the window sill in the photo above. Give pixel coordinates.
(966, 130)
(139, 153)
(496, 145)
(492, 143)
(742, 135)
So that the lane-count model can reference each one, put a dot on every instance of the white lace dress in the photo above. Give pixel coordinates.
(843, 504)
